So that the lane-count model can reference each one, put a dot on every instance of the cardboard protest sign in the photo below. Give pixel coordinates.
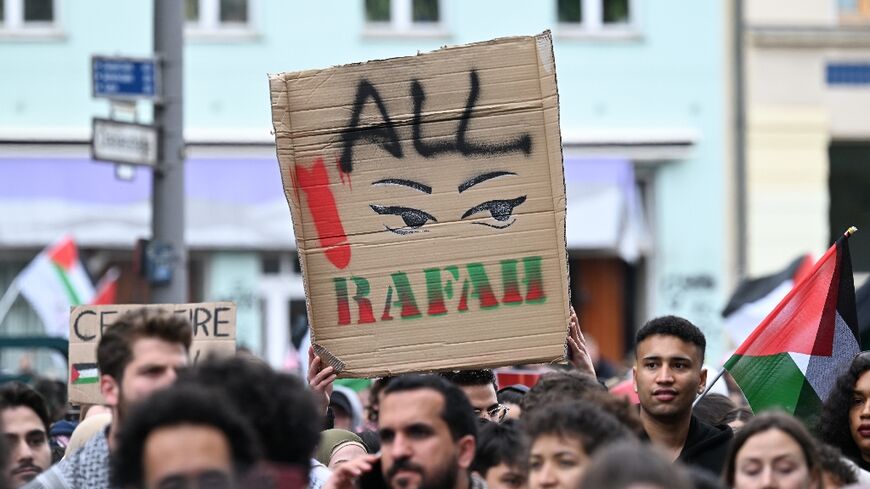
(428, 204)
(214, 332)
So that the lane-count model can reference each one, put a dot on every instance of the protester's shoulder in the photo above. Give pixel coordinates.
(862, 475)
(707, 434)
(706, 441)
(50, 479)
(318, 475)
(88, 467)
(477, 482)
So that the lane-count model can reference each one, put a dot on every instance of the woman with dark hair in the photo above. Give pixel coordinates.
(630, 465)
(845, 419)
(773, 450)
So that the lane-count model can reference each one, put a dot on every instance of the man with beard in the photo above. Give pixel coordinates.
(25, 428)
(668, 376)
(428, 431)
(137, 355)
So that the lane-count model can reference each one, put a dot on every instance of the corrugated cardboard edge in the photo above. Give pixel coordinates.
(311, 72)
(282, 126)
(330, 359)
(547, 72)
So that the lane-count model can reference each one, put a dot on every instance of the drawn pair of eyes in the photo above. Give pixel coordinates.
(414, 219)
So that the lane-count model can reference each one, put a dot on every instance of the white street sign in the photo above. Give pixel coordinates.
(124, 142)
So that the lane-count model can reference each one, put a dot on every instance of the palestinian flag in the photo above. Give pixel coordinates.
(862, 303)
(754, 298)
(795, 355)
(84, 373)
(53, 282)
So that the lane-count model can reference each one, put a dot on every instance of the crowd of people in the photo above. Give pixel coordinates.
(238, 423)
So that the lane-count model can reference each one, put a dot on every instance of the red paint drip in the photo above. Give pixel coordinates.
(342, 174)
(321, 203)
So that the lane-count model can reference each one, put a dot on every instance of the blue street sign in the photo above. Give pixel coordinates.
(123, 78)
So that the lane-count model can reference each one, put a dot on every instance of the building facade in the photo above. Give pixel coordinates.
(808, 134)
(645, 96)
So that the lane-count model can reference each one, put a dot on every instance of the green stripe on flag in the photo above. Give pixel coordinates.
(86, 380)
(772, 382)
(70, 290)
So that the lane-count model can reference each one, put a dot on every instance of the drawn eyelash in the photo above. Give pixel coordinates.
(500, 210)
(414, 219)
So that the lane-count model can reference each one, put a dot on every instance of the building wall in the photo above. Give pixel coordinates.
(794, 115)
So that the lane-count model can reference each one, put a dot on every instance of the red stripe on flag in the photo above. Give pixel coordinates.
(824, 344)
(64, 253)
(794, 324)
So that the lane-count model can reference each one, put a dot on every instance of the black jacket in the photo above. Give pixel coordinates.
(706, 446)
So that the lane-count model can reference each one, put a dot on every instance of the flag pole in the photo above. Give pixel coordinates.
(710, 386)
(850, 231)
(8, 299)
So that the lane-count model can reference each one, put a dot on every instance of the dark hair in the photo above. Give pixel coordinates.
(497, 444)
(674, 326)
(115, 350)
(580, 420)
(703, 479)
(625, 464)
(374, 404)
(832, 463)
(457, 413)
(558, 387)
(713, 407)
(175, 406)
(279, 407)
(834, 427)
(619, 407)
(371, 440)
(512, 394)
(17, 394)
(772, 420)
(741, 413)
(54, 391)
(467, 378)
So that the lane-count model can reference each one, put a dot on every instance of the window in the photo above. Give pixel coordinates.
(218, 16)
(848, 180)
(595, 16)
(404, 17)
(28, 16)
(853, 12)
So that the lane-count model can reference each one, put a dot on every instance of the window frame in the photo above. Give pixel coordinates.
(858, 17)
(210, 27)
(14, 25)
(401, 22)
(592, 23)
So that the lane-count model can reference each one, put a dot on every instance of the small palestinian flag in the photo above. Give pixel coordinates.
(84, 373)
(53, 282)
(793, 358)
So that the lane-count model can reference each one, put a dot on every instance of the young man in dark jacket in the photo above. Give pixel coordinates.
(668, 376)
